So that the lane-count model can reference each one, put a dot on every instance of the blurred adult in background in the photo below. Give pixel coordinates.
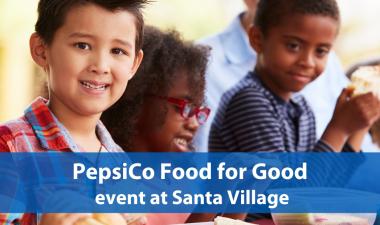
(232, 57)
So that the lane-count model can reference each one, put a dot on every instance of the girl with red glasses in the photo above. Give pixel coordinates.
(162, 106)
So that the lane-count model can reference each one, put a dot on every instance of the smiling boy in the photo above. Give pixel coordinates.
(89, 50)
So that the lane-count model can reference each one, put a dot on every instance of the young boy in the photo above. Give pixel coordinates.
(292, 39)
(90, 50)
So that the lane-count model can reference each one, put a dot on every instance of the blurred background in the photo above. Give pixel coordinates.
(20, 79)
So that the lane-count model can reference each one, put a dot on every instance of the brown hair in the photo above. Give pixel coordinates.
(52, 13)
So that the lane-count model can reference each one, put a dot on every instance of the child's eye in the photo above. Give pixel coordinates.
(82, 45)
(293, 46)
(321, 52)
(119, 51)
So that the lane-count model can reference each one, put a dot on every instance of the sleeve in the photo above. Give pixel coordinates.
(5, 138)
(322, 146)
(250, 124)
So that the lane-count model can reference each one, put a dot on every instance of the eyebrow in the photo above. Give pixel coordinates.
(302, 41)
(84, 35)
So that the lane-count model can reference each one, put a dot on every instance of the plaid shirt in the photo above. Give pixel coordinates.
(40, 131)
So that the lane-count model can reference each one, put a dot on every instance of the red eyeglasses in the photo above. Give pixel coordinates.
(188, 110)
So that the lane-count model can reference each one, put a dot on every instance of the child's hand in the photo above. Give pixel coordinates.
(62, 218)
(355, 113)
(351, 115)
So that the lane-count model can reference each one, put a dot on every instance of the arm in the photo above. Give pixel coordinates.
(351, 117)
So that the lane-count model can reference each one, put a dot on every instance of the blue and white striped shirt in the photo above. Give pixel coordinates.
(252, 118)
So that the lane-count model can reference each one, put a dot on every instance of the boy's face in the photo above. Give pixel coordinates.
(90, 59)
(176, 133)
(294, 53)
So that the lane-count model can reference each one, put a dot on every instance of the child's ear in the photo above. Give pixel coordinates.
(255, 38)
(38, 50)
(136, 63)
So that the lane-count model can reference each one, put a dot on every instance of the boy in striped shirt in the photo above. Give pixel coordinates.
(263, 112)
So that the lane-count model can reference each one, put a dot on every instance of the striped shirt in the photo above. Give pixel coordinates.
(40, 131)
(252, 118)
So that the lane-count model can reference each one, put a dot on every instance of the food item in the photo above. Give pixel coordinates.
(318, 219)
(367, 79)
(293, 218)
(103, 219)
(227, 221)
(338, 219)
(132, 217)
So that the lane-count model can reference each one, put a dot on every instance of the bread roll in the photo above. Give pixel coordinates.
(367, 79)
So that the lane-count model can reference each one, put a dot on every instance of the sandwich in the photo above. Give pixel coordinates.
(367, 79)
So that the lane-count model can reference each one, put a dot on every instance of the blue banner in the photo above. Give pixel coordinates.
(189, 182)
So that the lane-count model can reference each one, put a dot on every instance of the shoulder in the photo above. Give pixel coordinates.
(9, 131)
(247, 91)
(245, 99)
(18, 125)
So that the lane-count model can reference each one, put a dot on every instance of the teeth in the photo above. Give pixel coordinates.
(181, 141)
(93, 86)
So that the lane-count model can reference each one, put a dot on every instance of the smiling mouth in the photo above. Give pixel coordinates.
(301, 77)
(99, 87)
(182, 143)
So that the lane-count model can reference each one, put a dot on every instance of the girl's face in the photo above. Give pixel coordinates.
(162, 126)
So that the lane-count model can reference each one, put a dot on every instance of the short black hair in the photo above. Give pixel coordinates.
(271, 13)
(166, 57)
(52, 14)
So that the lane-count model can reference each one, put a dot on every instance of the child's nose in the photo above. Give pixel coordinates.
(99, 64)
(192, 123)
(307, 59)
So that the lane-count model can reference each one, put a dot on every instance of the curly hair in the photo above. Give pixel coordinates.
(271, 13)
(166, 55)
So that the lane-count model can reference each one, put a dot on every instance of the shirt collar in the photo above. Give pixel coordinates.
(52, 135)
(295, 99)
(236, 43)
(45, 127)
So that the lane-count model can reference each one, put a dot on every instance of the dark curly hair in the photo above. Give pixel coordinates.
(271, 13)
(166, 56)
